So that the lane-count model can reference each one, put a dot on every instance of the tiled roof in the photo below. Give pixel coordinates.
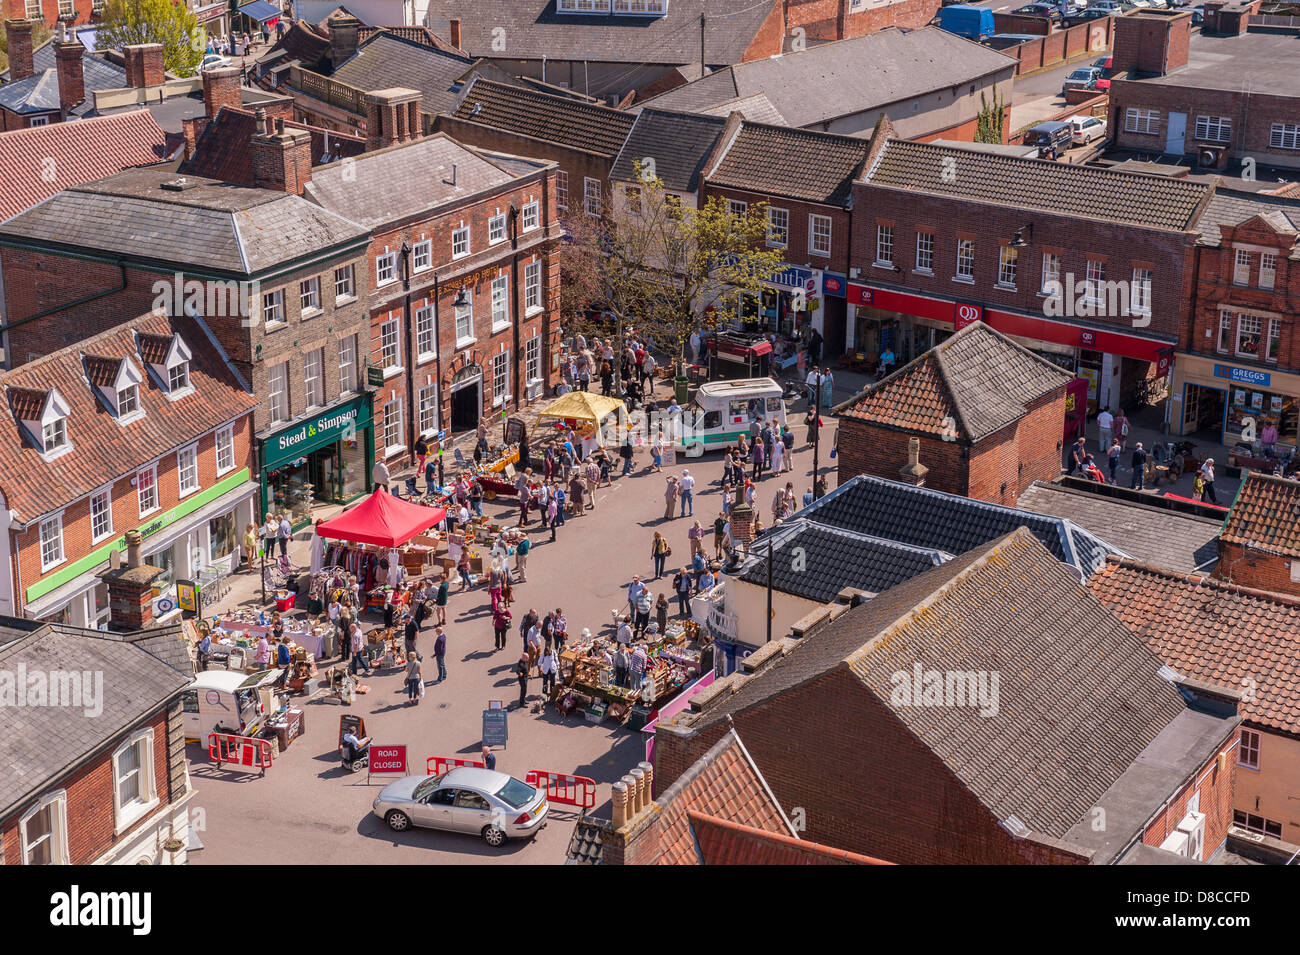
(387, 61)
(1231, 636)
(1083, 191)
(210, 225)
(1265, 514)
(725, 842)
(533, 29)
(781, 161)
(415, 34)
(300, 42)
(856, 75)
(38, 162)
(39, 92)
(554, 119)
(102, 449)
(1079, 696)
(1181, 542)
(679, 143)
(153, 348)
(586, 845)
(225, 148)
(831, 559)
(923, 517)
(756, 108)
(101, 370)
(1227, 208)
(970, 386)
(136, 684)
(363, 191)
(27, 403)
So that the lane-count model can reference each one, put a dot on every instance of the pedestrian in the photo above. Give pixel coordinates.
(625, 452)
(623, 636)
(756, 456)
(463, 567)
(577, 493)
(414, 678)
(1122, 429)
(644, 604)
(682, 587)
(359, 660)
(500, 626)
(1078, 453)
(657, 454)
(686, 485)
(1105, 423)
(671, 491)
(777, 455)
(250, 546)
(636, 667)
(659, 551)
(1139, 464)
(552, 515)
(440, 601)
(205, 651)
(561, 497)
(421, 453)
(521, 674)
(496, 582)
(345, 629)
(559, 629)
(622, 662)
(1206, 474)
(533, 641)
(696, 536)
(548, 666)
(476, 498)
(719, 532)
(410, 631)
(787, 440)
(521, 557)
(661, 612)
(285, 533)
(1112, 457)
(379, 474)
(440, 652)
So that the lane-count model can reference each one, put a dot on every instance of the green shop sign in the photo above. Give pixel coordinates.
(342, 421)
(101, 554)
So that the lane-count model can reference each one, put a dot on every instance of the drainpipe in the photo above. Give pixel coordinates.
(409, 334)
(121, 286)
(437, 365)
(514, 271)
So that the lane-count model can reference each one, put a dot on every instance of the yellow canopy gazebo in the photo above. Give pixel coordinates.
(583, 406)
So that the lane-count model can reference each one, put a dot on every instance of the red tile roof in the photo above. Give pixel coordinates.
(153, 349)
(1237, 637)
(102, 449)
(723, 842)
(101, 370)
(38, 162)
(1265, 514)
(27, 403)
(224, 148)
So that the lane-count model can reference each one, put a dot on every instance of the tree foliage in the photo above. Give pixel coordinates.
(989, 127)
(129, 22)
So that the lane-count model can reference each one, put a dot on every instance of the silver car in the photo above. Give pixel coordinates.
(480, 801)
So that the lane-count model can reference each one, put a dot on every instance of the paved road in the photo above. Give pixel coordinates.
(306, 810)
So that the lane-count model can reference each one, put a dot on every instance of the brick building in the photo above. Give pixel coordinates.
(1259, 544)
(1240, 372)
(52, 12)
(1091, 268)
(279, 282)
(143, 427)
(57, 80)
(988, 413)
(838, 19)
(888, 694)
(1223, 101)
(103, 779)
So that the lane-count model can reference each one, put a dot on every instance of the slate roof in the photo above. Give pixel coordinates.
(923, 517)
(364, 192)
(212, 226)
(300, 42)
(38, 744)
(102, 449)
(833, 558)
(725, 842)
(856, 75)
(1214, 631)
(1265, 515)
(970, 386)
(388, 61)
(533, 29)
(415, 34)
(1228, 208)
(797, 163)
(1079, 696)
(756, 108)
(224, 149)
(39, 92)
(554, 119)
(1084, 191)
(82, 151)
(1181, 542)
(679, 144)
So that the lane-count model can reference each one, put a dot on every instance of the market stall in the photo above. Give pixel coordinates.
(584, 412)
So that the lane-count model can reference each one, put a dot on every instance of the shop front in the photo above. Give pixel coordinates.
(1235, 403)
(323, 458)
(202, 532)
(214, 18)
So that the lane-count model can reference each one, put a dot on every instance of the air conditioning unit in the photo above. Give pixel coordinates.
(1193, 826)
(1211, 157)
(1176, 843)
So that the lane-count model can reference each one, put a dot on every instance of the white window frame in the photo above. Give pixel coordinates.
(178, 383)
(426, 342)
(502, 394)
(190, 452)
(965, 264)
(422, 256)
(1094, 282)
(500, 303)
(884, 245)
(347, 364)
(133, 413)
(394, 417)
(126, 815)
(1249, 324)
(273, 309)
(57, 554)
(54, 435)
(738, 208)
(460, 244)
(1139, 291)
(152, 471)
(1284, 136)
(390, 346)
(591, 197)
(561, 190)
(778, 227)
(224, 445)
(533, 288)
(345, 284)
(925, 253)
(1008, 266)
(465, 321)
(1137, 120)
(70, 10)
(1273, 333)
(57, 804)
(427, 409)
(533, 360)
(277, 396)
(1051, 274)
(309, 296)
(531, 217)
(106, 529)
(1241, 263)
(1267, 270)
(385, 269)
(820, 227)
(497, 229)
(1248, 745)
(1223, 342)
(1214, 129)
(314, 393)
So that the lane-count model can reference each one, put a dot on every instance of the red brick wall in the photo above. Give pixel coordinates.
(90, 818)
(1256, 569)
(867, 448)
(1216, 787)
(77, 538)
(1008, 461)
(1152, 43)
(768, 40)
(832, 20)
(50, 12)
(796, 250)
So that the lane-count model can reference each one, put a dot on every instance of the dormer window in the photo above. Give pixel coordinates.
(44, 415)
(128, 400)
(54, 435)
(178, 376)
(169, 361)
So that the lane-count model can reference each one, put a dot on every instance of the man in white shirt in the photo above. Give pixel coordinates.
(1105, 422)
(812, 382)
(695, 347)
(686, 490)
(380, 475)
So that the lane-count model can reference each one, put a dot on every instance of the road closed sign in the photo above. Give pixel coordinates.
(387, 759)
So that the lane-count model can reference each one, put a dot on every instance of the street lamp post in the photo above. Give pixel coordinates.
(769, 585)
(817, 433)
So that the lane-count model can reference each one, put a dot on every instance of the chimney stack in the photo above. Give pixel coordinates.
(281, 159)
(620, 805)
(392, 117)
(345, 33)
(71, 73)
(144, 65)
(130, 589)
(1152, 42)
(18, 35)
(914, 473)
(220, 89)
(455, 34)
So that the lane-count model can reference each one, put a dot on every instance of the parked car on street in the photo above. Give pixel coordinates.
(484, 802)
(1103, 63)
(1086, 16)
(1114, 7)
(1198, 14)
(1084, 78)
(213, 60)
(1086, 128)
(974, 23)
(1039, 10)
(1049, 137)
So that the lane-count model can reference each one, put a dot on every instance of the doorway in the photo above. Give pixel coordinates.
(1176, 136)
(466, 405)
(1203, 410)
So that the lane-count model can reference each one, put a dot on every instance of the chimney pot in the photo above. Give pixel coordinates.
(649, 771)
(620, 804)
(134, 544)
(638, 779)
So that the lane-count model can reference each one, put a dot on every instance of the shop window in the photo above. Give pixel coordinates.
(386, 268)
(465, 320)
(925, 252)
(273, 308)
(1248, 820)
(500, 303)
(277, 387)
(51, 542)
(965, 260)
(500, 378)
(533, 286)
(134, 791)
(1007, 258)
(497, 229)
(562, 190)
(348, 364)
(1249, 333)
(1225, 333)
(187, 469)
(422, 256)
(44, 831)
(1140, 292)
(223, 536)
(344, 284)
(1241, 267)
(1248, 753)
(778, 227)
(309, 296)
(101, 516)
(313, 376)
(531, 216)
(1274, 339)
(424, 337)
(390, 346)
(885, 245)
(1267, 270)
(146, 489)
(226, 449)
(819, 235)
(533, 359)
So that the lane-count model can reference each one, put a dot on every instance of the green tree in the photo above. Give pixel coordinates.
(40, 33)
(128, 22)
(989, 129)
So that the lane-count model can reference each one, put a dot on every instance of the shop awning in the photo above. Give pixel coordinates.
(755, 350)
(582, 406)
(261, 11)
(383, 520)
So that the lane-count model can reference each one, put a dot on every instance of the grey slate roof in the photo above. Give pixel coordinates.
(364, 191)
(1181, 542)
(39, 743)
(856, 75)
(798, 163)
(544, 116)
(39, 92)
(923, 517)
(1083, 191)
(1233, 208)
(1079, 696)
(534, 30)
(679, 143)
(756, 108)
(211, 226)
(831, 559)
(388, 61)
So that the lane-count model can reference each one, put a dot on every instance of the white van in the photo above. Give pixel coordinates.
(723, 411)
(226, 701)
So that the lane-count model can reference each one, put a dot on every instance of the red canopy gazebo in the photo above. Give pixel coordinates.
(383, 520)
